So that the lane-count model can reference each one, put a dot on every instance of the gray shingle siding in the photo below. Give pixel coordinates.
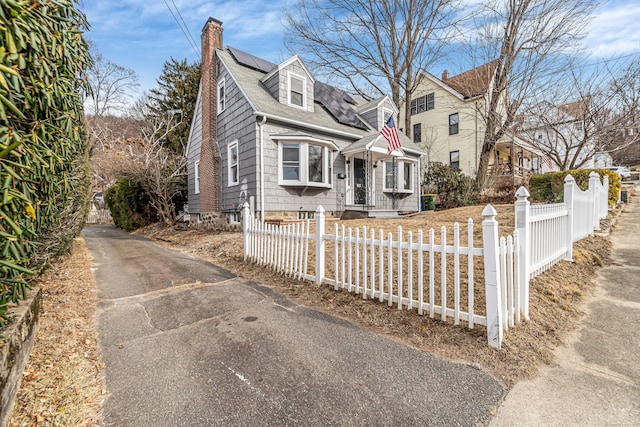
(237, 122)
(193, 155)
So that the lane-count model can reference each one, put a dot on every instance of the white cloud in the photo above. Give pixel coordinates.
(613, 31)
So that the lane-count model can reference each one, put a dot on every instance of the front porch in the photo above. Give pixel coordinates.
(512, 163)
(378, 184)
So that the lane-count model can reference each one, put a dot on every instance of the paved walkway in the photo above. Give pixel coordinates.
(596, 378)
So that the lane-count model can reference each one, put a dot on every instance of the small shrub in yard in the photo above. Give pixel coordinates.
(454, 189)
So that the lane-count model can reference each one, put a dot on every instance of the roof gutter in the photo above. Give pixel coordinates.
(308, 125)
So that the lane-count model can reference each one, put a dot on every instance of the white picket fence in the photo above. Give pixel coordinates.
(434, 276)
(99, 216)
(547, 232)
(431, 272)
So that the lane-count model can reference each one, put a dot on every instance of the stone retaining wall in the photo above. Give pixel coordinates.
(16, 347)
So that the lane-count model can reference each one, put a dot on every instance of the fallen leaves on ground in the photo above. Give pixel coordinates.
(63, 382)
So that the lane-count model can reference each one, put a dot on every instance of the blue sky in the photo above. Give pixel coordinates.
(142, 35)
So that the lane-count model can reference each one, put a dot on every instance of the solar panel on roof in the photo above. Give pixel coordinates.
(251, 61)
(337, 101)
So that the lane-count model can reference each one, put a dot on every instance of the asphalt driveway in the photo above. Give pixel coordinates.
(187, 343)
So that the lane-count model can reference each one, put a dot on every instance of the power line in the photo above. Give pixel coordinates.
(193, 42)
(183, 27)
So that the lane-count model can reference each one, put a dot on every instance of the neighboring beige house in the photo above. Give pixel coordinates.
(447, 122)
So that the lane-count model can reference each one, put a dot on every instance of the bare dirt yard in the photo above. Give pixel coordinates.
(63, 383)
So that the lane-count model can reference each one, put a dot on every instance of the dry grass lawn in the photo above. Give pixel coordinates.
(64, 385)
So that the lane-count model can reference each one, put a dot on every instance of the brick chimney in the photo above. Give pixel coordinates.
(445, 75)
(209, 152)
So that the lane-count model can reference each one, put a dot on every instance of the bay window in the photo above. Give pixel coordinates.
(402, 177)
(305, 162)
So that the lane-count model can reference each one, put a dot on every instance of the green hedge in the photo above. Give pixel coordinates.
(549, 187)
(126, 201)
(43, 146)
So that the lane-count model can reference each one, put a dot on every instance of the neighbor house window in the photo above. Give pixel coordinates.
(401, 179)
(578, 126)
(453, 124)
(417, 132)
(196, 174)
(222, 96)
(232, 155)
(305, 164)
(454, 159)
(422, 104)
(297, 91)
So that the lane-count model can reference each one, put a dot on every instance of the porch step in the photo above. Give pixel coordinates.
(383, 214)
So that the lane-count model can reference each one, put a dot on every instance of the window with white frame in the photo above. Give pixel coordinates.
(297, 92)
(305, 164)
(406, 176)
(196, 174)
(232, 165)
(221, 96)
(402, 176)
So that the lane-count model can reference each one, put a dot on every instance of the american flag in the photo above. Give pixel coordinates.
(390, 133)
(547, 160)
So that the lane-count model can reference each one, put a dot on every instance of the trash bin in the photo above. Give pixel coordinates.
(624, 197)
(429, 202)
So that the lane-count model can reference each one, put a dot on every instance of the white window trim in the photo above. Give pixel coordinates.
(196, 174)
(230, 181)
(221, 102)
(304, 90)
(399, 177)
(304, 181)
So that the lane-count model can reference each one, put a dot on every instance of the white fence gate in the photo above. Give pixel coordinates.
(99, 216)
(430, 272)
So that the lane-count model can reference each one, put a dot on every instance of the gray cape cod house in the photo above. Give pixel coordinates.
(273, 136)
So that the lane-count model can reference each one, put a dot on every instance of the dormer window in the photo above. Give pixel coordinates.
(297, 85)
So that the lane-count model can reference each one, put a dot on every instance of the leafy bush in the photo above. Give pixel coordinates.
(128, 204)
(454, 189)
(549, 187)
(43, 145)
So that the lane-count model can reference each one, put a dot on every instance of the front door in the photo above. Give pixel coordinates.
(359, 182)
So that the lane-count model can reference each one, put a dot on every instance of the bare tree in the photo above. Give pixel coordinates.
(112, 86)
(375, 46)
(143, 159)
(525, 37)
(585, 115)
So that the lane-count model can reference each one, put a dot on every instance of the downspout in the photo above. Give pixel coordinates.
(260, 124)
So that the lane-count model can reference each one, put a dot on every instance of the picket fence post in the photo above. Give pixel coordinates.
(320, 245)
(605, 205)
(569, 201)
(524, 233)
(245, 228)
(492, 285)
(594, 184)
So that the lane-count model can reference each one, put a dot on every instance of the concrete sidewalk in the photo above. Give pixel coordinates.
(596, 377)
